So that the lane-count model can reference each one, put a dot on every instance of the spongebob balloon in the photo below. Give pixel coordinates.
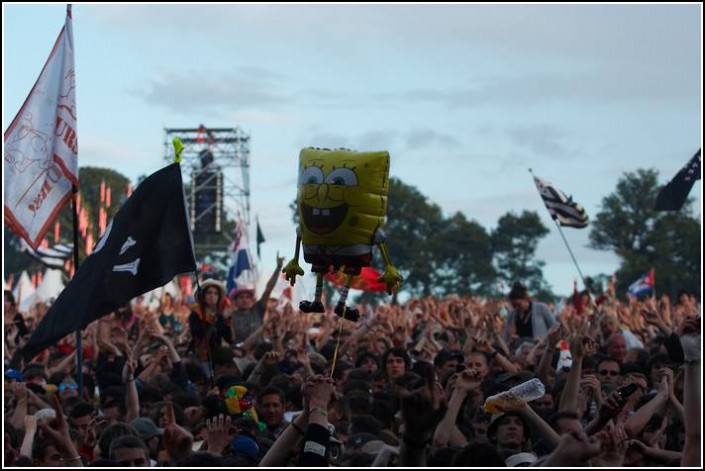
(341, 203)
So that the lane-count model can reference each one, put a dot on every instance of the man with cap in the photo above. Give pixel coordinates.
(149, 433)
(510, 433)
(248, 315)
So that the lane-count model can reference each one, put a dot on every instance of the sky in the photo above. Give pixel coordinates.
(465, 97)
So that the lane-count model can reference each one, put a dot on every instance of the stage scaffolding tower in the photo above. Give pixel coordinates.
(217, 160)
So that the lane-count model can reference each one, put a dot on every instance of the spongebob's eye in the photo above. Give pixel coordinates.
(311, 176)
(342, 176)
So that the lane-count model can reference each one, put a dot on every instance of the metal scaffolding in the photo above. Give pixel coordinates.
(208, 155)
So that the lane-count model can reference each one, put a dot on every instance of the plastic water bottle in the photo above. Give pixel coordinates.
(519, 394)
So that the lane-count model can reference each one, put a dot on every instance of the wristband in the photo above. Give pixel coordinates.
(318, 410)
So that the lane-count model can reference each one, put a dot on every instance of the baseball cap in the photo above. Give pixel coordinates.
(244, 445)
(521, 459)
(146, 428)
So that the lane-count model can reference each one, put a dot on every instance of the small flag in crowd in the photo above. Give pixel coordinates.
(260, 239)
(241, 271)
(561, 207)
(644, 285)
(41, 148)
(672, 196)
(144, 247)
(365, 281)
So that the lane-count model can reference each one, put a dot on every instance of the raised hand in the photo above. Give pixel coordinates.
(218, 429)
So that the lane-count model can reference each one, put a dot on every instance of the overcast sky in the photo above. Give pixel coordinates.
(465, 98)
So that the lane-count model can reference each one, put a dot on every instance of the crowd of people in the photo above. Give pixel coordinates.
(227, 379)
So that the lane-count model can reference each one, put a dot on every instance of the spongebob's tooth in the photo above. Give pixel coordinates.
(316, 211)
(325, 212)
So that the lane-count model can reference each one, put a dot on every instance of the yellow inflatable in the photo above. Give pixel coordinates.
(341, 203)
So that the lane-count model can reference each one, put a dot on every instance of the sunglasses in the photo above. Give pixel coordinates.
(65, 386)
(608, 373)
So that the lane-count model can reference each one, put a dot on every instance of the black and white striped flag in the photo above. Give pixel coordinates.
(562, 208)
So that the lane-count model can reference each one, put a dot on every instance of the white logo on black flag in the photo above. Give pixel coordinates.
(144, 247)
(672, 196)
(562, 208)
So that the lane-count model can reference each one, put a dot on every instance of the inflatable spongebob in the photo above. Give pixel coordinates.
(341, 204)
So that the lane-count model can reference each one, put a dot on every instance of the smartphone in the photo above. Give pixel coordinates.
(628, 390)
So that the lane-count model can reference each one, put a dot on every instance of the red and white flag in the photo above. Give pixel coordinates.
(41, 148)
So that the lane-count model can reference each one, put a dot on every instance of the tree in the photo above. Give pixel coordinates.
(644, 238)
(412, 224)
(462, 259)
(514, 243)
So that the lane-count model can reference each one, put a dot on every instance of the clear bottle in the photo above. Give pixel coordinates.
(519, 394)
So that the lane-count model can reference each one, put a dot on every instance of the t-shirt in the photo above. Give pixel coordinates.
(245, 322)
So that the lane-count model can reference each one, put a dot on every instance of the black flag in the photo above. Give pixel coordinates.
(673, 195)
(260, 238)
(144, 247)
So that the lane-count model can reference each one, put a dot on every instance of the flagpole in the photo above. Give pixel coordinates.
(570, 251)
(79, 346)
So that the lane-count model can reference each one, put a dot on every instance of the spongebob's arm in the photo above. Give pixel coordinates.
(292, 268)
(391, 275)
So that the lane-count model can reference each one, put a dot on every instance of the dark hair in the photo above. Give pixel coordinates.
(268, 391)
(360, 359)
(80, 410)
(518, 291)
(111, 433)
(397, 352)
(127, 441)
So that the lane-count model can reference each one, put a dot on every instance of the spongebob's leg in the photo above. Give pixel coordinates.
(316, 305)
(340, 308)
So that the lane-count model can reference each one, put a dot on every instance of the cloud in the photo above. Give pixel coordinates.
(209, 91)
(426, 137)
(543, 140)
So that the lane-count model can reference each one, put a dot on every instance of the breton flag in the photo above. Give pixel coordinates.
(644, 285)
(673, 195)
(51, 257)
(41, 147)
(561, 207)
(144, 247)
(241, 271)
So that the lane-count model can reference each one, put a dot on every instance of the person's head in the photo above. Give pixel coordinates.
(243, 298)
(80, 416)
(609, 325)
(519, 297)
(477, 361)
(68, 388)
(211, 293)
(609, 371)
(655, 365)
(367, 361)
(270, 405)
(396, 361)
(10, 303)
(149, 433)
(130, 451)
(46, 455)
(509, 431)
(564, 422)
(480, 424)
(617, 347)
(148, 398)
(111, 433)
(446, 362)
